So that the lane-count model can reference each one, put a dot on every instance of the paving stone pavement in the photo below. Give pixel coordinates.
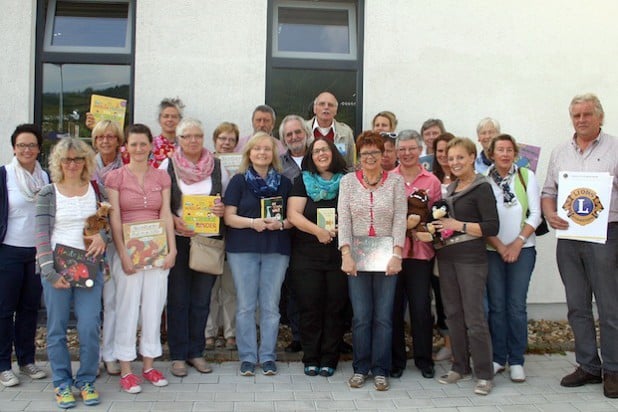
(291, 390)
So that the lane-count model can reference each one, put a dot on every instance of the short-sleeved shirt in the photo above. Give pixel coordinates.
(305, 242)
(137, 203)
(247, 204)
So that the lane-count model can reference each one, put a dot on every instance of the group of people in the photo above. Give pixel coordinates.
(478, 258)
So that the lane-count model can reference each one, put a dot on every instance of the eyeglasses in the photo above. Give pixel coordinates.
(192, 136)
(24, 146)
(408, 149)
(391, 135)
(76, 160)
(226, 139)
(107, 137)
(320, 150)
(370, 154)
(326, 104)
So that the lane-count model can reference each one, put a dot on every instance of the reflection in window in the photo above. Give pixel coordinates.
(313, 30)
(67, 89)
(293, 92)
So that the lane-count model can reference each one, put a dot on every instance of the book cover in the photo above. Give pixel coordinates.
(372, 253)
(528, 156)
(108, 108)
(146, 243)
(272, 208)
(231, 161)
(427, 162)
(72, 263)
(327, 218)
(197, 213)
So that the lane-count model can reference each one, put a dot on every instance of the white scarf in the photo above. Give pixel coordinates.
(29, 183)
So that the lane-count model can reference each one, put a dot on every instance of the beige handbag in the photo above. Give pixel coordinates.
(207, 255)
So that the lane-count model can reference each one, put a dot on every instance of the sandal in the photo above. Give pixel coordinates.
(210, 343)
(327, 371)
(311, 370)
(230, 343)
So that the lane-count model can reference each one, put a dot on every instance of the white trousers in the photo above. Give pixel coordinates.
(141, 294)
(222, 306)
(109, 310)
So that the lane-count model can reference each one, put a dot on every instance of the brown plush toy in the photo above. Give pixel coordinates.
(97, 222)
(418, 215)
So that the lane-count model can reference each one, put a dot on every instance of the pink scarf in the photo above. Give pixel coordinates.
(190, 172)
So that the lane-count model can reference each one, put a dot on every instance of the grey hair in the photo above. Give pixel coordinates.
(187, 123)
(292, 117)
(588, 97)
(174, 102)
(264, 108)
(409, 134)
(486, 121)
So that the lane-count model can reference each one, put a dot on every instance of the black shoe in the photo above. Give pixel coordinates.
(293, 347)
(428, 372)
(610, 384)
(345, 347)
(396, 372)
(579, 378)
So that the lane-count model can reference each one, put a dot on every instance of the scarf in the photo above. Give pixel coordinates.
(319, 188)
(102, 170)
(261, 187)
(486, 161)
(29, 183)
(190, 172)
(503, 183)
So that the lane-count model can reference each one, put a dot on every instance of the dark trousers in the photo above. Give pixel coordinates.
(20, 298)
(321, 291)
(413, 282)
(188, 305)
(288, 306)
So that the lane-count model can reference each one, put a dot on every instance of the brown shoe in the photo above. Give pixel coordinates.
(200, 365)
(579, 378)
(610, 384)
(179, 368)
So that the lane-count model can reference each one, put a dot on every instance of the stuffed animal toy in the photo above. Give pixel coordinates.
(439, 210)
(97, 222)
(418, 216)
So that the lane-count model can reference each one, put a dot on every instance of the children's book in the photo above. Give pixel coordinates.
(108, 108)
(197, 213)
(372, 253)
(327, 218)
(272, 208)
(146, 243)
(72, 263)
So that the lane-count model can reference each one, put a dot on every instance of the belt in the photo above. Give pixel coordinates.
(464, 237)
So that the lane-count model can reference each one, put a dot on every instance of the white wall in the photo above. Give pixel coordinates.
(17, 22)
(519, 62)
(212, 54)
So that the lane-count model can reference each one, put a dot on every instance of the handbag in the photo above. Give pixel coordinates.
(542, 228)
(206, 255)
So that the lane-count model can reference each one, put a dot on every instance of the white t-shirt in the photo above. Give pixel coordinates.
(71, 214)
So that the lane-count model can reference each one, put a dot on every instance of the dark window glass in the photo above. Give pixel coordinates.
(293, 92)
(313, 30)
(80, 24)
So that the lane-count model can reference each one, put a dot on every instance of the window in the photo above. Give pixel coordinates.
(84, 47)
(313, 47)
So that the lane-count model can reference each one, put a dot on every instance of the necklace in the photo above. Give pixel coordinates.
(368, 183)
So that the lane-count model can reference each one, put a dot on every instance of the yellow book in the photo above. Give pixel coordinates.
(146, 243)
(197, 213)
(272, 208)
(326, 218)
(108, 108)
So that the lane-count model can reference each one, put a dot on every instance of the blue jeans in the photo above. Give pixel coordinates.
(372, 296)
(258, 278)
(87, 308)
(20, 297)
(507, 290)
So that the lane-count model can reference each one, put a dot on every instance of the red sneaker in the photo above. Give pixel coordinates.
(155, 377)
(130, 383)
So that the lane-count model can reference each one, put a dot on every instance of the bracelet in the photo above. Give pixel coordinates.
(464, 228)
(523, 239)
(282, 225)
(395, 255)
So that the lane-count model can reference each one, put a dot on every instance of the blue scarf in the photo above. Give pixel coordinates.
(319, 188)
(260, 187)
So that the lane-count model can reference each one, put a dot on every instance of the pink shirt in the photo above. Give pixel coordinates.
(427, 181)
(137, 203)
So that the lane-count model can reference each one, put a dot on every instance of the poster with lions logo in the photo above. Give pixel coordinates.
(583, 201)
